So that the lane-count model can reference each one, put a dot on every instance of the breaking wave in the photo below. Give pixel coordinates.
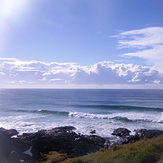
(161, 119)
(126, 117)
(120, 116)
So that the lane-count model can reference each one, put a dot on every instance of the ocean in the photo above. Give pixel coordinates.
(103, 110)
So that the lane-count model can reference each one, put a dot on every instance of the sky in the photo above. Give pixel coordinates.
(81, 43)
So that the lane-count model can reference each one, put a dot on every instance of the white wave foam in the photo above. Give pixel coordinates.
(161, 119)
(88, 115)
(125, 115)
(104, 124)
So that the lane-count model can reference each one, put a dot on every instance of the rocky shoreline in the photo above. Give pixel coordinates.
(29, 147)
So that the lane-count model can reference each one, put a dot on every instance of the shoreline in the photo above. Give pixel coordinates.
(30, 146)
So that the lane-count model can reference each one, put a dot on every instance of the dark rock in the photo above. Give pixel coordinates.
(10, 146)
(8, 133)
(125, 138)
(65, 128)
(121, 132)
(107, 144)
(87, 144)
(29, 146)
(63, 139)
(94, 139)
(93, 132)
(14, 157)
(19, 157)
(12, 132)
(52, 140)
(144, 133)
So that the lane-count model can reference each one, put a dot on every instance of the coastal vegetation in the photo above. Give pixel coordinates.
(143, 151)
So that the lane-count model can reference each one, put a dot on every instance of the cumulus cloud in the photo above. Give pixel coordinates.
(148, 43)
(34, 73)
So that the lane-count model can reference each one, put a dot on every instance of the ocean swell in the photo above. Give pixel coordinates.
(44, 111)
(119, 107)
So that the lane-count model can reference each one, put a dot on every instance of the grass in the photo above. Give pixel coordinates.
(144, 151)
(53, 157)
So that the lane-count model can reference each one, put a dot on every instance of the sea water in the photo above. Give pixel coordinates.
(30, 110)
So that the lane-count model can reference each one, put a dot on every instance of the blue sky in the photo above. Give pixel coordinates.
(84, 32)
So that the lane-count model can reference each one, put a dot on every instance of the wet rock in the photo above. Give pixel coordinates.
(93, 132)
(144, 133)
(125, 138)
(10, 147)
(8, 133)
(121, 132)
(19, 157)
(107, 144)
(29, 146)
(61, 139)
(52, 140)
(87, 144)
(65, 128)
(64, 140)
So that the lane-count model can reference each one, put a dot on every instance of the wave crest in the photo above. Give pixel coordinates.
(127, 117)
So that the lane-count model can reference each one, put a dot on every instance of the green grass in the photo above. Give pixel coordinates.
(53, 157)
(144, 151)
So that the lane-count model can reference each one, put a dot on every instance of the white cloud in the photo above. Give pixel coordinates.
(147, 41)
(33, 73)
(142, 38)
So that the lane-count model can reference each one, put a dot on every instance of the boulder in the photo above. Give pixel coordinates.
(121, 132)
(144, 133)
(87, 144)
(60, 139)
(63, 139)
(52, 140)
(10, 147)
(8, 133)
(125, 138)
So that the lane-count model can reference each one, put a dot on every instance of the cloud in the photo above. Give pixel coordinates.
(148, 43)
(34, 73)
(142, 38)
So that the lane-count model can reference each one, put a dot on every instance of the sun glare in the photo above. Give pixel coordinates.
(9, 8)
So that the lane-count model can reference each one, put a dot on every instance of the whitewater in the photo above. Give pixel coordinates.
(30, 110)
